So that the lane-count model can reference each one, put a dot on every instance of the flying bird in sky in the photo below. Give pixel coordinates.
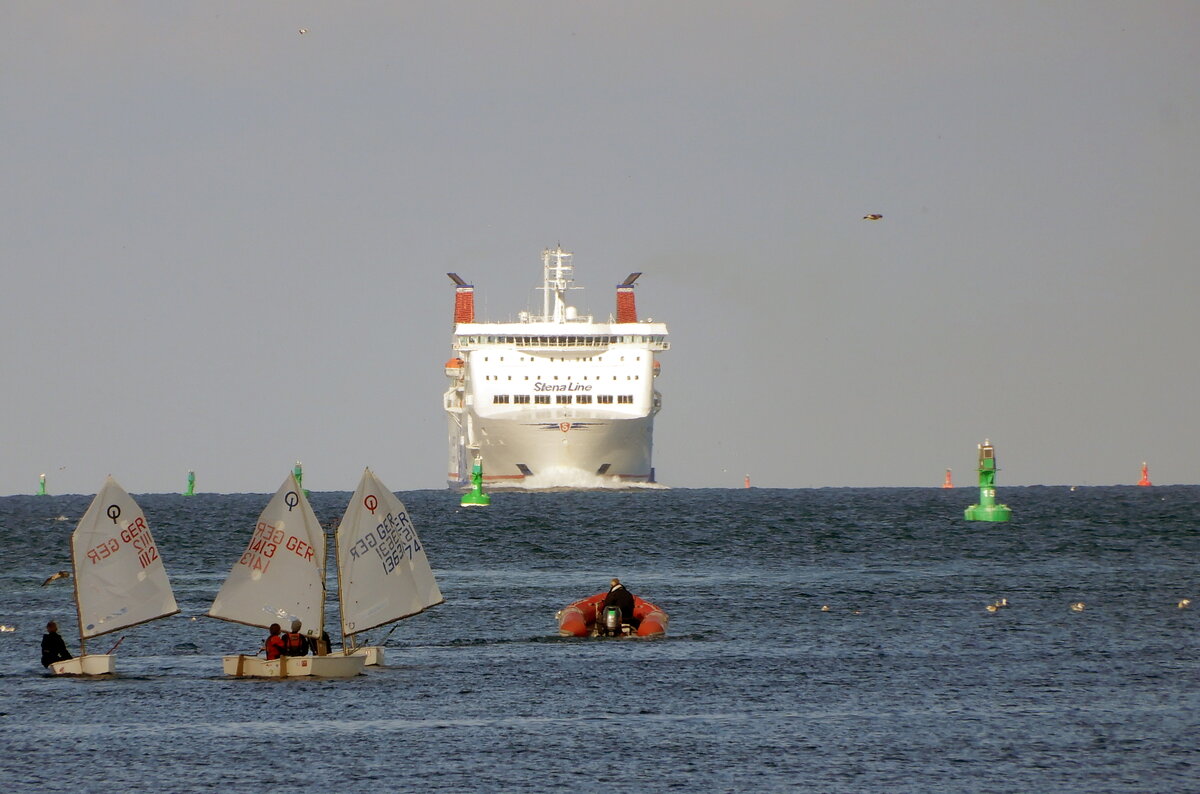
(872, 217)
(59, 575)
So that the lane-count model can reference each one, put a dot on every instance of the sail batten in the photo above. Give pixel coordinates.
(280, 576)
(120, 580)
(383, 572)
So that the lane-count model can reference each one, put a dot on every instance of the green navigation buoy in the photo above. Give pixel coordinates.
(298, 471)
(987, 509)
(42, 485)
(476, 497)
(191, 491)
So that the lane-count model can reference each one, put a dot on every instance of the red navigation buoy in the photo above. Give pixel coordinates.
(949, 483)
(747, 480)
(1145, 475)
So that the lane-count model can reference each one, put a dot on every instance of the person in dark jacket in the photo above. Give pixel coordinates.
(295, 643)
(621, 598)
(54, 649)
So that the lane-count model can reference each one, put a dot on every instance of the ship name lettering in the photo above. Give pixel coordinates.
(543, 386)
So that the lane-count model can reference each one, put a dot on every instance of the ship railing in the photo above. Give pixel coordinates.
(654, 342)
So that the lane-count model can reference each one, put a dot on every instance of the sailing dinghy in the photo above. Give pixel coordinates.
(280, 578)
(383, 573)
(119, 577)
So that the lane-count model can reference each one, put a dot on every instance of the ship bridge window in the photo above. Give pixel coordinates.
(604, 398)
(541, 399)
(562, 399)
(521, 399)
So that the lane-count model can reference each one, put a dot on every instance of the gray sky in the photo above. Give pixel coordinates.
(225, 243)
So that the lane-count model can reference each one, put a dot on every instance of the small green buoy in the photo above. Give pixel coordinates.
(42, 485)
(191, 489)
(987, 509)
(298, 471)
(476, 497)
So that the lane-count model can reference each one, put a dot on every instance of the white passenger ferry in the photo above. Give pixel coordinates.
(555, 400)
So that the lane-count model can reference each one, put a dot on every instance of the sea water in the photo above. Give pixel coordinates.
(905, 683)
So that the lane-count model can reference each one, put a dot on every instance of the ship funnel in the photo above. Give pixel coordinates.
(464, 300)
(626, 305)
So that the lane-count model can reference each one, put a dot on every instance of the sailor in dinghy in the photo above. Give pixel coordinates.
(383, 573)
(119, 577)
(278, 579)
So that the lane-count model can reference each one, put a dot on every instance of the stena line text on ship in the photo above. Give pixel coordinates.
(557, 399)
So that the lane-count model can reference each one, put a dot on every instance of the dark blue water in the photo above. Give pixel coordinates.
(907, 683)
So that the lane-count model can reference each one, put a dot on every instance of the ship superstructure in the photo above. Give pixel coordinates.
(555, 400)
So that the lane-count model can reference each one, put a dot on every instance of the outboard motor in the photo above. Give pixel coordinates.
(612, 621)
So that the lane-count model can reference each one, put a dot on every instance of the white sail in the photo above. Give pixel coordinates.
(120, 580)
(281, 575)
(382, 569)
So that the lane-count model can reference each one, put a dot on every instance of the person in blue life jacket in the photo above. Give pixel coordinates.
(295, 643)
(54, 648)
(621, 598)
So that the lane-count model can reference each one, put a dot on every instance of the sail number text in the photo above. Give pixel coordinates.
(393, 540)
(268, 539)
(137, 535)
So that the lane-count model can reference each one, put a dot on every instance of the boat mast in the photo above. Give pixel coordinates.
(324, 587)
(347, 641)
(78, 609)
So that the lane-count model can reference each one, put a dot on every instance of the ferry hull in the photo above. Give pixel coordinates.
(571, 452)
(331, 666)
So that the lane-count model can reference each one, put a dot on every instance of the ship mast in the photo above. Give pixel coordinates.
(557, 276)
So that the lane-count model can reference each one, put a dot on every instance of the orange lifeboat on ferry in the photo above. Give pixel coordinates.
(583, 618)
(454, 368)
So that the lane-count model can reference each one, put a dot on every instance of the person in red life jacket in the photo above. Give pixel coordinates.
(274, 646)
(295, 643)
(621, 598)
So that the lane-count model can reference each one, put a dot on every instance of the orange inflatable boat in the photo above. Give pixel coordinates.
(583, 618)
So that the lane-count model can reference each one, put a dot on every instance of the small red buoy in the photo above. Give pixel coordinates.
(747, 480)
(1145, 475)
(948, 483)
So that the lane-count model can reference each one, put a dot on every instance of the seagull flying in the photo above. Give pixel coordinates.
(872, 217)
(59, 575)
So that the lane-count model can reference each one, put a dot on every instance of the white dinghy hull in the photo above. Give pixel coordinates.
(332, 666)
(372, 653)
(88, 664)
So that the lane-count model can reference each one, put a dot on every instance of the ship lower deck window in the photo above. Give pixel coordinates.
(522, 399)
(583, 398)
(604, 398)
(541, 399)
(625, 398)
(562, 399)
(499, 398)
